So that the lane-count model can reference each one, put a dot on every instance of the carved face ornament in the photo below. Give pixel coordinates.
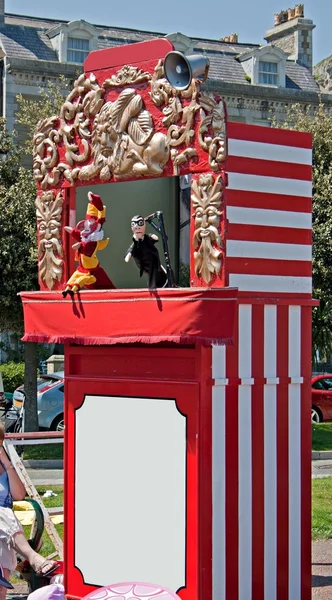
(50, 252)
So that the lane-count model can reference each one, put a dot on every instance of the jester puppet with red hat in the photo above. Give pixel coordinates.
(89, 238)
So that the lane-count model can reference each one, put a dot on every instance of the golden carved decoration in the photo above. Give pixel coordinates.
(124, 143)
(212, 130)
(117, 139)
(128, 75)
(50, 252)
(45, 152)
(206, 196)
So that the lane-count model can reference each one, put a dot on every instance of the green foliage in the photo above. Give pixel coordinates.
(318, 122)
(18, 252)
(184, 275)
(12, 375)
(322, 436)
(43, 452)
(321, 508)
(32, 111)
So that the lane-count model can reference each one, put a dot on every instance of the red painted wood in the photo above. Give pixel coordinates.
(204, 362)
(264, 266)
(268, 168)
(231, 475)
(186, 396)
(258, 233)
(257, 417)
(269, 135)
(128, 53)
(306, 358)
(269, 201)
(139, 362)
(282, 455)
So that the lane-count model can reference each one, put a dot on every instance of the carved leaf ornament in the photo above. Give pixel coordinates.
(206, 196)
(94, 138)
(50, 251)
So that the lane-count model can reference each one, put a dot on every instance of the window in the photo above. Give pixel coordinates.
(77, 50)
(268, 73)
(323, 384)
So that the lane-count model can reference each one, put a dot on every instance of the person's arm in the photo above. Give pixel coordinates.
(16, 487)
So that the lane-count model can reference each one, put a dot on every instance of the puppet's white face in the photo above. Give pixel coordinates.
(90, 230)
(138, 227)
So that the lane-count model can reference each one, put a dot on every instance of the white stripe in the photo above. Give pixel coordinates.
(245, 494)
(218, 491)
(245, 341)
(269, 218)
(269, 185)
(264, 151)
(219, 362)
(270, 341)
(270, 492)
(294, 464)
(294, 341)
(271, 283)
(275, 251)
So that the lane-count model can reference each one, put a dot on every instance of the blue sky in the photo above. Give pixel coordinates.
(207, 19)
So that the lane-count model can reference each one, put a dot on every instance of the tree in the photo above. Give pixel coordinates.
(18, 253)
(31, 111)
(318, 122)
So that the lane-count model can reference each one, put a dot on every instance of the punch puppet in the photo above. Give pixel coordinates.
(89, 238)
(145, 254)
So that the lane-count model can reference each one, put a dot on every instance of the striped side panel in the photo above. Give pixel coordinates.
(261, 462)
(268, 210)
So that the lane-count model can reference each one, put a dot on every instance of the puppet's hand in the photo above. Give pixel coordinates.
(68, 229)
(128, 257)
(154, 237)
(76, 246)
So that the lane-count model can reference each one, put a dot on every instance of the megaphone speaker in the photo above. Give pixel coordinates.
(180, 69)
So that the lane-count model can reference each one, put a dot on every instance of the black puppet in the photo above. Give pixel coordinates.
(145, 254)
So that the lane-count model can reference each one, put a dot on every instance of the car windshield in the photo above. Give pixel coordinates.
(44, 382)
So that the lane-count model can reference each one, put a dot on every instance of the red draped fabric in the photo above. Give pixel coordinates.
(129, 316)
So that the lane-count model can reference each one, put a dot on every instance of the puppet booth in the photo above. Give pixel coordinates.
(187, 409)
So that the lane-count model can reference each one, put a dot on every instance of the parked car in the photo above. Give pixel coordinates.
(321, 402)
(50, 397)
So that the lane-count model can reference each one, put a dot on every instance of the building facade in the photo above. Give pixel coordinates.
(255, 80)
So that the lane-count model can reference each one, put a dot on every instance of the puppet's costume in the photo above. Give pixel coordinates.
(146, 255)
(88, 236)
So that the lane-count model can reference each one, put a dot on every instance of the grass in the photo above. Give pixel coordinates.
(321, 508)
(47, 547)
(322, 436)
(43, 452)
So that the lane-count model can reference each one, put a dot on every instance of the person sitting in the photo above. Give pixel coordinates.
(12, 538)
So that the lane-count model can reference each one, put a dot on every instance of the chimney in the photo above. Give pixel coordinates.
(233, 38)
(2, 13)
(293, 34)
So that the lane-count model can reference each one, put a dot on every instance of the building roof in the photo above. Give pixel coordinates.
(26, 38)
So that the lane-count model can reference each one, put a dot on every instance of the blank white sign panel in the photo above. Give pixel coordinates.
(130, 494)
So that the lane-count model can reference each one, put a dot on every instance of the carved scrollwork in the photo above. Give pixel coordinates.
(206, 196)
(50, 251)
(76, 117)
(118, 138)
(124, 142)
(212, 130)
(128, 75)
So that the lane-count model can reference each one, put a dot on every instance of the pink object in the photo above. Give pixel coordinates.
(133, 590)
(49, 592)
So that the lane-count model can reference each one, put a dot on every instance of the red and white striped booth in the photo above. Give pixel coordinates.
(188, 430)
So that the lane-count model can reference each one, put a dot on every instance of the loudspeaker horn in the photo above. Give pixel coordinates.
(180, 69)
